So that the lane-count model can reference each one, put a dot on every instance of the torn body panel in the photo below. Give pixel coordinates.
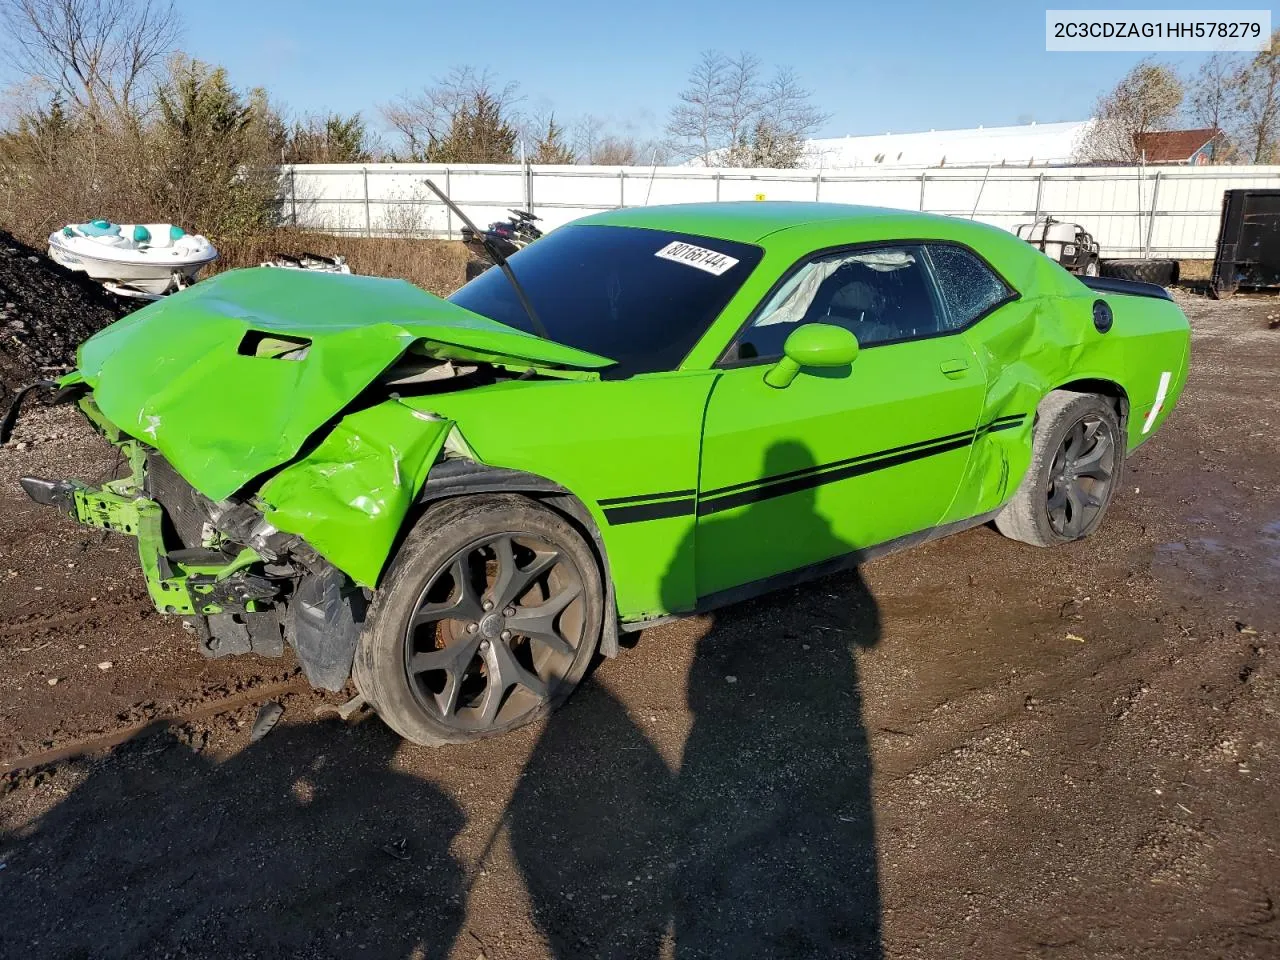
(1037, 345)
(242, 369)
(198, 563)
(348, 497)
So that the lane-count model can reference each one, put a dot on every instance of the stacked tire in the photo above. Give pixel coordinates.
(1161, 271)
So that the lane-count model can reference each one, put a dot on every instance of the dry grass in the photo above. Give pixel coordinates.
(434, 265)
(1194, 270)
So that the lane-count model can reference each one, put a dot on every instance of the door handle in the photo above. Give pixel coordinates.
(955, 368)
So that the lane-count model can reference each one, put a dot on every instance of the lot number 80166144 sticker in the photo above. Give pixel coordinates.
(700, 257)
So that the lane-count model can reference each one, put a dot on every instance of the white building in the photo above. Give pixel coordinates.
(1032, 144)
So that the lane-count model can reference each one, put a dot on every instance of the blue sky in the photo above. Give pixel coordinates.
(874, 67)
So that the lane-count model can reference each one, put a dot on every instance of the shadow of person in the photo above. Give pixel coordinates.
(306, 843)
(761, 840)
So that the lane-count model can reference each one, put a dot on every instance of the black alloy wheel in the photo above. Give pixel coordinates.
(494, 631)
(1080, 478)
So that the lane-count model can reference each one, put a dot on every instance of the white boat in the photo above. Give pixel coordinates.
(135, 259)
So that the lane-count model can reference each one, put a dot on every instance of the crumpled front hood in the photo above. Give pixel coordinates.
(181, 374)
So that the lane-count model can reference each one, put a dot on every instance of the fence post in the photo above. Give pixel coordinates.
(622, 188)
(923, 177)
(448, 214)
(716, 178)
(293, 195)
(1151, 220)
(1039, 194)
(817, 187)
(368, 222)
(528, 187)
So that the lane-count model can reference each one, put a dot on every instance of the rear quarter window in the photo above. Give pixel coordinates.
(969, 287)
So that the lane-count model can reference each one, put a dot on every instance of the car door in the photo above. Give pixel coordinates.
(840, 459)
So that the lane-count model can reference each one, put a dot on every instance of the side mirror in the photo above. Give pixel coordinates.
(812, 345)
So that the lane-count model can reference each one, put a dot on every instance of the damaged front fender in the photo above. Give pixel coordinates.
(349, 496)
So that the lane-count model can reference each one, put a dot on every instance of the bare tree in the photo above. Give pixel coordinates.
(1259, 100)
(1145, 100)
(588, 132)
(595, 143)
(695, 122)
(93, 54)
(1213, 102)
(728, 106)
(427, 120)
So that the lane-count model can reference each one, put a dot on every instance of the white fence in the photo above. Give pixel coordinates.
(1132, 211)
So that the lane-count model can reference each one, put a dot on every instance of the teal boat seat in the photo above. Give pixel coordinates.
(97, 228)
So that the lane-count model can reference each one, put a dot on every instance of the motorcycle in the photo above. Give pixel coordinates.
(508, 236)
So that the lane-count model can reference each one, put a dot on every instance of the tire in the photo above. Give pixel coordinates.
(1037, 514)
(431, 683)
(475, 268)
(1159, 271)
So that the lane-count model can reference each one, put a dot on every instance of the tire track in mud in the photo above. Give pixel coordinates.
(149, 718)
(88, 614)
(904, 746)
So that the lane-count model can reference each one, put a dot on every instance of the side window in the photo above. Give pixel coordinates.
(881, 295)
(969, 286)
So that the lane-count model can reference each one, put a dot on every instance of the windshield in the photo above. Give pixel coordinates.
(640, 297)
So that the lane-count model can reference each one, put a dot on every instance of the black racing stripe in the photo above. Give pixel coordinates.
(726, 498)
(645, 497)
(650, 511)
(681, 503)
(862, 458)
(811, 480)
(1002, 425)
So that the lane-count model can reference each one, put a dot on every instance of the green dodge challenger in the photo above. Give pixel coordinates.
(457, 503)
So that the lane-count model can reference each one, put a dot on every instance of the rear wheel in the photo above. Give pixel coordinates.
(1077, 456)
(486, 621)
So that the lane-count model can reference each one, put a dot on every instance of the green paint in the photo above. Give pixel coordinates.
(119, 506)
(349, 496)
(699, 479)
(175, 376)
(813, 345)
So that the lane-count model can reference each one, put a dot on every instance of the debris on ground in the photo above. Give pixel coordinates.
(46, 311)
(269, 715)
(397, 848)
(351, 707)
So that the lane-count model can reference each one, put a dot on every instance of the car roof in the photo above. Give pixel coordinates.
(749, 221)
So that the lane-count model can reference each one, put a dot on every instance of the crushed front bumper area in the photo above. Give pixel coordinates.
(188, 582)
(243, 586)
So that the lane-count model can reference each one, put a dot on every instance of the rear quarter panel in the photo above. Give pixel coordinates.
(1046, 342)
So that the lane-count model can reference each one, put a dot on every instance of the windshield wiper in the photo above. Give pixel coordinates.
(492, 249)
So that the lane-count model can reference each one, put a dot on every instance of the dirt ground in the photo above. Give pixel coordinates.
(971, 750)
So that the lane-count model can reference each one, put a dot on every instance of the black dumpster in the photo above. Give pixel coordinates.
(1248, 254)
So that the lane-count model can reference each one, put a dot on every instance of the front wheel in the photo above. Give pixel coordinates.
(1076, 459)
(486, 620)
